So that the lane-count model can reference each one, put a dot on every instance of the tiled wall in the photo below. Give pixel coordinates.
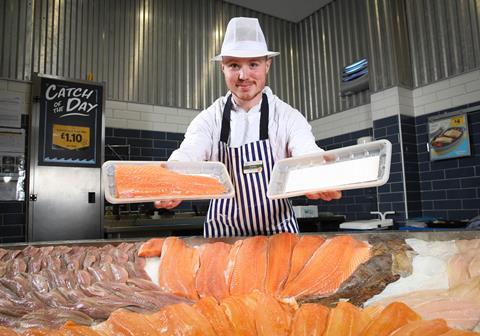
(12, 221)
(450, 188)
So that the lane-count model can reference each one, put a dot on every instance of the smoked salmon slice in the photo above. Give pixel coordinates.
(178, 268)
(331, 264)
(151, 248)
(156, 181)
(250, 266)
(211, 279)
(302, 252)
(310, 320)
(393, 317)
(279, 253)
(346, 320)
(215, 314)
(180, 319)
(423, 328)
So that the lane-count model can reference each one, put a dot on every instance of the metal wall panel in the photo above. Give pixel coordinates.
(328, 40)
(444, 38)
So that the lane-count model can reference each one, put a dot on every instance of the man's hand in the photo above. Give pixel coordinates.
(325, 195)
(167, 204)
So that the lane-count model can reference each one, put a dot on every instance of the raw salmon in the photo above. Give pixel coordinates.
(310, 320)
(4, 331)
(302, 252)
(346, 320)
(211, 279)
(73, 329)
(151, 248)
(125, 323)
(271, 318)
(178, 268)
(456, 332)
(180, 319)
(250, 268)
(423, 328)
(331, 264)
(215, 314)
(279, 253)
(240, 314)
(394, 316)
(156, 181)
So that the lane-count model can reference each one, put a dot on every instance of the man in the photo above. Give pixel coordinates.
(248, 130)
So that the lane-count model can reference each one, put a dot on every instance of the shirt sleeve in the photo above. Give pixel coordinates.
(300, 139)
(197, 145)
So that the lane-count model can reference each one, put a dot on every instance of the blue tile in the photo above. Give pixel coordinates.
(141, 158)
(432, 175)
(396, 157)
(153, 135)
(342, 138)
(391, 197)
(393, 130)
(462, 194)
(11, 207)
(175, 136)
(427, 205)
(108, 131)
(449, 204)
(462, 214)
(168, 144)
(9, 219)
(128, 133)
(446, 164)
(115, 141)
(392, 120)
(446, 184)
(385, 188)
(460, 172)
(395, 177)
(425, 185)
(469, 161)
(153, 152)
(471, 204)
(380, 133)
(435, 213)
(385, 207)
(434, 195)
(146, 143)
(421, 129)
(12, 230)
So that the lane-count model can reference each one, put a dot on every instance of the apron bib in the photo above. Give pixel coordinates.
(250, 212)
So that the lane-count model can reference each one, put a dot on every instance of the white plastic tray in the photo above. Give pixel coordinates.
(216, 170)
(360, 166)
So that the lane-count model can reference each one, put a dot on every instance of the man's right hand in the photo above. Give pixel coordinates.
(167, 204)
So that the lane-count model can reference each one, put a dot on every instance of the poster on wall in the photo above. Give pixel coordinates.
(448, 136)
(70, 128)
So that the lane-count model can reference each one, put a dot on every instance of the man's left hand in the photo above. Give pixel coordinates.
(325, 195)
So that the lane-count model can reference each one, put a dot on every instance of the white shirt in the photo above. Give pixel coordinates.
(288, 131)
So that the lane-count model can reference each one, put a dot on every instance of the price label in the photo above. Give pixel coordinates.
(457, 121)
(71, 137)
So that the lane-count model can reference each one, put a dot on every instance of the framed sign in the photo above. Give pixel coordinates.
(70, 126)
(448, 136)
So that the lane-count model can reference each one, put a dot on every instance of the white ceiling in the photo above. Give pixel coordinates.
(290, 10)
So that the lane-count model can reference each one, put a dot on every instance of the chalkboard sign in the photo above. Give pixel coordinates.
(70, 128)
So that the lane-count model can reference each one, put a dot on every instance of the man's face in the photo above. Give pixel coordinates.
(245, 77)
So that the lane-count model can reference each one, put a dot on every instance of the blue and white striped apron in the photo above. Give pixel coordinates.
(250, 212)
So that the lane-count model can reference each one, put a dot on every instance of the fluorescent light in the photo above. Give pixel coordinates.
(7, 179)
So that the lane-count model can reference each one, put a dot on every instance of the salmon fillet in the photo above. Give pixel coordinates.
(393, 317)
(178, 268)
(4, 331)
(73, 329)
(156, 181)
(456, 332)
(125, 323)
(250, 267)
(331, 264)
(271, 318)
(151, 248)
(279, 254)
(310, 320)
(241, 313)
(423, 328)
(215, 314)
(211, 279)
(180, 319)
(346, 320)
(302, 252)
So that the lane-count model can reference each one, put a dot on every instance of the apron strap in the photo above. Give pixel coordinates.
(225, 131)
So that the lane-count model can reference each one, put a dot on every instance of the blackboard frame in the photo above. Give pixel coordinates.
(81, 104)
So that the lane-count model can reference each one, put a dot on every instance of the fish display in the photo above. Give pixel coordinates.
(258, 314)
(133, 181)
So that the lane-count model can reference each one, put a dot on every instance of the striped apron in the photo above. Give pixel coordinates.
(250, 212)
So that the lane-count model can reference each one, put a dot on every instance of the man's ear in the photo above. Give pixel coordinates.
(268, 63)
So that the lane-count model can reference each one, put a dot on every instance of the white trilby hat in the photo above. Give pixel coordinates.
(244, 38)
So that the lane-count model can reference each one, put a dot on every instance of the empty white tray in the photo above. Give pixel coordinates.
(216, 170)
(360, 166)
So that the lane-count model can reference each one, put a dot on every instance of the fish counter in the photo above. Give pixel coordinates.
(378, 283)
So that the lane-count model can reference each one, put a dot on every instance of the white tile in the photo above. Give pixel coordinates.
(154, 117)
(441, 85)
(419, 110)
(473, 86)
(165, 127)
(405, 100)
(139, 107)
(116, 123)
(165, 110)
(122, 114)
(116, 105)
(471, 97)
(108, 113)
(451, 92)
(140, 125)
(465, 78)
(178, 120)
(18, 86)
(417, 92)
(438, 105)
(3, 85)
(407, 110)
(425, 99)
